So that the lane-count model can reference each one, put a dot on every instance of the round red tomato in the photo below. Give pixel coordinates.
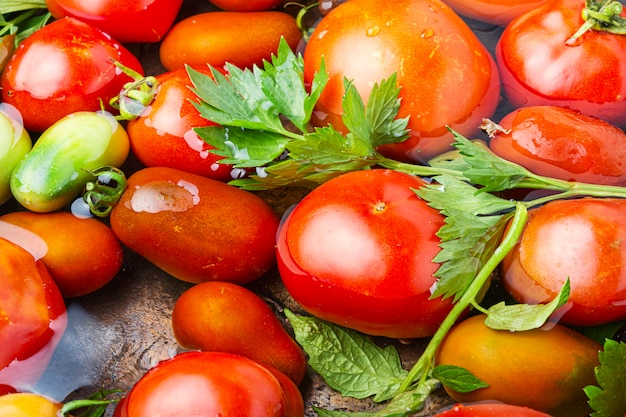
(490, 410)
(577, 239)
(358, 250)
(447, 76)
(246, 5)
(538, 67)
(561, 143)
(209, 384)
(64, 67)
(498, 12)
(125, 21)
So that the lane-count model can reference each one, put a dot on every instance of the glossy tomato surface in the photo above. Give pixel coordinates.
(538, 67)
(28, 405)
(499, 12)
(490, 410)
(447, 76)
(576, 239)
(247, 5)
(64, 67)
(358, 250)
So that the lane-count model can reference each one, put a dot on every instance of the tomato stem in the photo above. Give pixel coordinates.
(135, 96)
(103, 194)
(602, 16)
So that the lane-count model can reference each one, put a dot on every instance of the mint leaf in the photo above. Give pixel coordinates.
(407, 403)
(348, 361)
(457, 378)
(608, 399)
(520, 317)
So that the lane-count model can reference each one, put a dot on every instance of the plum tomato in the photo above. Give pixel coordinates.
(26, 404)
(447, 76)
(545, 369)
(357, 251)
(81, 254)
(490, 410)
(15, 143)
(64, 67)
(125, 21)
(195, 228)
(561, 143)
(246, 5)
(164, 133)
(576, 239)
(498, 12)
(224, 317)
(208, 384)
(538, 67)
(243, 39)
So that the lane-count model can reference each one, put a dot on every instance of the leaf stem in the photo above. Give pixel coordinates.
(419, 170)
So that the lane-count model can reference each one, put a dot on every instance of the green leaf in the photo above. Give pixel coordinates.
(338, 413)
(353, 115)
(409, 402)
(520, 317)
(11, 6)
(457, 378)
(608, 399)
(382, 112)
(348, 361)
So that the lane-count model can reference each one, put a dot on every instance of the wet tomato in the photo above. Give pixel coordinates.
(357, 251)
(545, 369)
(15, 143)
(561, 143)
(437, 58)
(195, 228)
(241, 38)
(247, 5)
(64, 67)
(490, 410)
(208, 384)
(576, 239)
(28, 405)
(499, 12)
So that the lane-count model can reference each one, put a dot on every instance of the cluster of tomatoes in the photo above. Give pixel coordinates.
(358, 250)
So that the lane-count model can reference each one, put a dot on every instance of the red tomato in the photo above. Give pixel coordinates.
(163, 135)
(357, 251)
(64, 67)
(560, 143)
(246, 5)
(538, 68)
(447, 76)
(125, 21)
(209, 384)
(498, 12)
(490, 410)
(579, 239)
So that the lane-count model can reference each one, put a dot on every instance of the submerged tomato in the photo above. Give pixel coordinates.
(499, 12)
(246, 5)
(357, 251)
(490, 410)
(447, 76)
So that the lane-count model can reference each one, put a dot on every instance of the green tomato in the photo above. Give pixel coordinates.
(15, 143)
(62, 161)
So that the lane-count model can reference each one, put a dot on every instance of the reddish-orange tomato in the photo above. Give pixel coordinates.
(447, 76)
(499, 12)
(490, 410)
(195, 228)
(81, 254)
(241, 38)
(246, 5)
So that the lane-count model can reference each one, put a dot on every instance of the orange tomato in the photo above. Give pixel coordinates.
(499, 12)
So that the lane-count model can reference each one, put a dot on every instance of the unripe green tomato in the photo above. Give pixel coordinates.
(15, 143)
(56, 170)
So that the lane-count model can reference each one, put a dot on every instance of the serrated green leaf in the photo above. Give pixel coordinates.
(608, 399)
(353, 115)
(409, 402)
(348, 361)
(457, 378)
(325, 146)
(381, 112)
(338, 413)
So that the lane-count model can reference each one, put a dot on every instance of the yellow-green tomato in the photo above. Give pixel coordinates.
(56, 170)
(15, 143)
(28, 405)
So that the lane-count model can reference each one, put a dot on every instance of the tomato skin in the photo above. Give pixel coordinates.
(579, 239)
(64, 67)
(545, 369)
(490, 410)
(195, 228)
(25, 404)
(207, 384)
(15, 143)
(163, 135)
(560, 143)
(357, 251)
(437, 58)
(214, 38)
(246, 5)
(537, 68)
(498, 12)
(134, 21)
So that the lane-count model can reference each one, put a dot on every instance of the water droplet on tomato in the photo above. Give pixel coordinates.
(427, 33)
(372, 31)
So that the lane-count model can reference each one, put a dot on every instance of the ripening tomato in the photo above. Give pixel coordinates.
(561, 143)
(164, 133)
(538, 67)
(358, 250)
(447, 76)
(240, 38)
(64, 67)
(246, 5)
(489, 410)
(577, 239)
(498, 12)
(25, 404)
(209, 384)
(545, 369)
(125, 21)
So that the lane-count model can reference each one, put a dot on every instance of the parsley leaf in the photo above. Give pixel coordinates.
(609, 398)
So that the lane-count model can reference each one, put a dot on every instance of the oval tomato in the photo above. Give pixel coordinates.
(195, 228)
(498, 12)
(579, 240)
(357, 251)
(15, 143)
(240, 38)
(164, 133)
(437, 59)
(538, 67)
(561, 143)
(490, 410)
(125, 21)
(246, 5)
(64, 67)
(208, 384)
